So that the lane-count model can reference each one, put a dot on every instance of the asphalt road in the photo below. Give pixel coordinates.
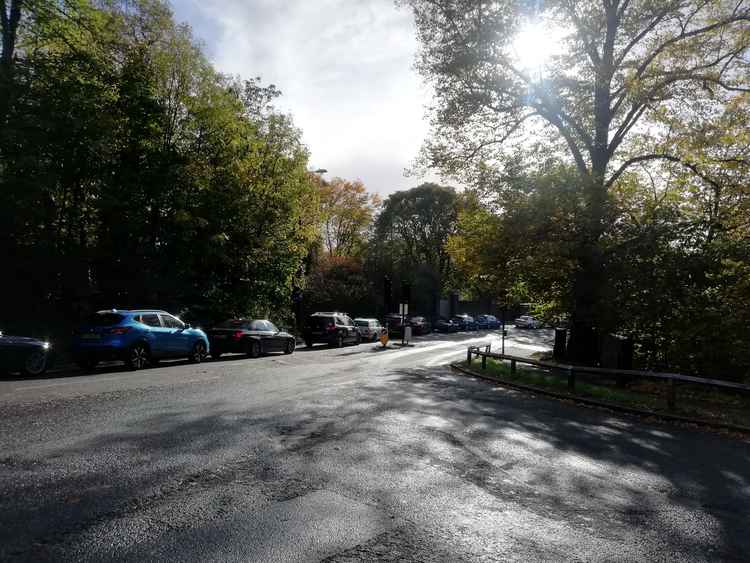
(353, 454)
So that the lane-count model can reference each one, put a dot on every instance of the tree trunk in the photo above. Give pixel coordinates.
(590, 276)
(9, 21)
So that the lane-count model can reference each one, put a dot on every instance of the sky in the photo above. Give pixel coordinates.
(345, 68)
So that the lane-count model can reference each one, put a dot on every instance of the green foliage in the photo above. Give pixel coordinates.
(516, 238)
(409, 242)
(133, 174)
(637, 91)
(339, 283)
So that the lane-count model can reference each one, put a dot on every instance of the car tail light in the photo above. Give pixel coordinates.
(119, 330)
(331, 327)
(237, 335)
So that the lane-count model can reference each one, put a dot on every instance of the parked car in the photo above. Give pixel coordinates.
(30, 356)
(394, 322)
(527, 321)
(249, 336)
(136, 337)
(369, 329)
(487, 322)
(445, 325)
(464, 322)
(334, 329)
(420, 325)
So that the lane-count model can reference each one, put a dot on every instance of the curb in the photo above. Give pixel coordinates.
(606, 404)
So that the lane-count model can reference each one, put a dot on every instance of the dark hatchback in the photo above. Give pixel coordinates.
(464, 322)
(334, 329)
(445, 325)
(487, 322)
(30, 356)
(249, 336)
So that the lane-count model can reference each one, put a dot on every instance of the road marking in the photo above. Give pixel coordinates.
(437, 360)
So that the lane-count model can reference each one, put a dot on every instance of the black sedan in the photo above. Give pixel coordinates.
(30, 356)
(252, 337)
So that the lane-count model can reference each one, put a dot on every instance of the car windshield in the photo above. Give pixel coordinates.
(362, 323)
(104, 319)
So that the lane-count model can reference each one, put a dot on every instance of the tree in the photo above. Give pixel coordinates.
(134, 174)
(346, 213)
(339, 283)
(600, 100)
(515, 241)
(409, 240)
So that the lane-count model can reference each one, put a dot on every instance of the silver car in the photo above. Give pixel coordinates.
(527, 321)
(369, 329)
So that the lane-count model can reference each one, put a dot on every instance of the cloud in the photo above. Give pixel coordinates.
(345, 68)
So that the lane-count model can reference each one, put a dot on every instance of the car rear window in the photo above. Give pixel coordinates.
(104, 319)
(234, 323)
(319, 322)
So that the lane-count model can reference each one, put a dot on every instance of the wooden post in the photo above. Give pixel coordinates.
(671, 395)
(513, 367)
(484, 362)
(571, 379)
(468, 356)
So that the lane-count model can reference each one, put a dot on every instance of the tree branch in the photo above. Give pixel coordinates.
(661, 156)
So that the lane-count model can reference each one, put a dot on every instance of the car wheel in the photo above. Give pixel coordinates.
(215, 355)
(137, 357)
(253, 349)
(358, 340)
(289, 348)
(340, 341)
(199, 352)
(35, 364)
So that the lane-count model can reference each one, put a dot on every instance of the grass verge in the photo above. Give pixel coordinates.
(692, 401)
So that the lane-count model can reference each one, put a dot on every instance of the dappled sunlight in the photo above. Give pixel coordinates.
(457, 458)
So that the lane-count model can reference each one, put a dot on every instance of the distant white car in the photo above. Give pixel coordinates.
(369, 329)
(527, 321)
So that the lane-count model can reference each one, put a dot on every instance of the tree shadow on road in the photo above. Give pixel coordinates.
(585, 475)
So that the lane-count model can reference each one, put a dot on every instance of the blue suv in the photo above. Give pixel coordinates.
(137, 338)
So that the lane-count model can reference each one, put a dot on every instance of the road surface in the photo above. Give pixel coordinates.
(353, 454)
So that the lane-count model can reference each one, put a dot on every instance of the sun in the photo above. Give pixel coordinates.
(535, 44)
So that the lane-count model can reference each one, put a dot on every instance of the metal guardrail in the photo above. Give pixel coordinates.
(570, 371)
